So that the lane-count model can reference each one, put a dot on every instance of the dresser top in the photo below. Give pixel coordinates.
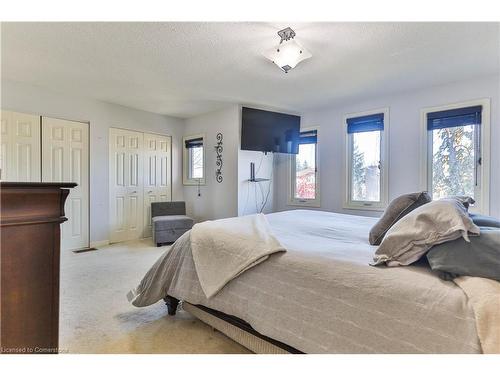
(39, 185)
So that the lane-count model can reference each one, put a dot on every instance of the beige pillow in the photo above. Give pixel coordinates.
(428, 225)
(398, 208)
(464, 199)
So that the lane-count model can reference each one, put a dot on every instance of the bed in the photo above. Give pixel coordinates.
(321, 295)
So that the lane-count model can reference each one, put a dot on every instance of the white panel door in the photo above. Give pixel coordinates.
(20, 147)
(65, 158)
(126, 184)
(157, 184)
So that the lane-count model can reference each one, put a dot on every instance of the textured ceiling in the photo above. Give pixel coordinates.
(185, 69)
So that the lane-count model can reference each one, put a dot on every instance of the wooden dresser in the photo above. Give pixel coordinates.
(31, 215)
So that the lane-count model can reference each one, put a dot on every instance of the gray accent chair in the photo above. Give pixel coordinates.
(169, 221)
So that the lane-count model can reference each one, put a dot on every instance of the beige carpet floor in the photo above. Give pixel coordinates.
(95, 316)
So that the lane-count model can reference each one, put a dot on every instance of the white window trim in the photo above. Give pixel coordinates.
(185, 161)
(384, 161)
(483, 206)
(292, 201)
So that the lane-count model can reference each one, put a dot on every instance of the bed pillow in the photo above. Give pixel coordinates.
(480, 257)
(485, 221)
(464, 199)
(399, 207)
(426, 226)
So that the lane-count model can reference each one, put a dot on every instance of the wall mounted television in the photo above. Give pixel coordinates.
(269, 131)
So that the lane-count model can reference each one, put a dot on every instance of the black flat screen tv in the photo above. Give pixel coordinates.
(269, 131)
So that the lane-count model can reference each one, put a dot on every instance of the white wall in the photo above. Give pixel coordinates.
(404, 147)
(217, 200)
(252, 195)
(101, 116)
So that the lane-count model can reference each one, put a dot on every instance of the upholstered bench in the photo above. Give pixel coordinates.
(169, 221)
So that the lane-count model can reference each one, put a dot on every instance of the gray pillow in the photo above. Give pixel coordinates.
(399, 207)
(480, 257)
(426, 226)
(485, 221)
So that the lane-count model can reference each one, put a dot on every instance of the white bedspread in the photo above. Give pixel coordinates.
(321, 296)
(223, 249)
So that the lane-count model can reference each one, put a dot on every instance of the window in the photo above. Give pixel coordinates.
(366, 177)
(455, 154)
(194, 160)
(304, 175)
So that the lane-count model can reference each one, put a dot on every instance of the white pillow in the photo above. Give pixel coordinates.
(428, 225)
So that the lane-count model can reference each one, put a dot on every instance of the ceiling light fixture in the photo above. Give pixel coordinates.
(288, 53)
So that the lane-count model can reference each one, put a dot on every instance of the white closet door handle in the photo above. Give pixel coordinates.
(149, 192)
(134, 192)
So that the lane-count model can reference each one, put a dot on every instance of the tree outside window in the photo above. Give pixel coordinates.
(196, 162)
(365, 174)
(305, 172)
(453, 161)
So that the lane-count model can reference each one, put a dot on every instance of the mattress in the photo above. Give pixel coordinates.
(321, 296)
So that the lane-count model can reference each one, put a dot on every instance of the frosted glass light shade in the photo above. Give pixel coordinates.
(287, 54)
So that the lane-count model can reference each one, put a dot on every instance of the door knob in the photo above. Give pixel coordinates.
(149, 192)
(134, 192)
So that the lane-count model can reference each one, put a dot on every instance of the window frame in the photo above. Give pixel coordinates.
(482, 205)
(186, 167)
(384, 162)
(292, 200)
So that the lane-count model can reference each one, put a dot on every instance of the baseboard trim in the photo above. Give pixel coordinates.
(98, 244)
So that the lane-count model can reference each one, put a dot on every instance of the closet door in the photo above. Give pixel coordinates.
(20, 147)
(157, 184)
(65, 158)
(126, 184)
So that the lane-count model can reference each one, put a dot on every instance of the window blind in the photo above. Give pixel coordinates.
(454, 117)
(367, 123)
(308, 137)
(194, 143)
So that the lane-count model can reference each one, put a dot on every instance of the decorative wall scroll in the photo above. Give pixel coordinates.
(218, 161)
